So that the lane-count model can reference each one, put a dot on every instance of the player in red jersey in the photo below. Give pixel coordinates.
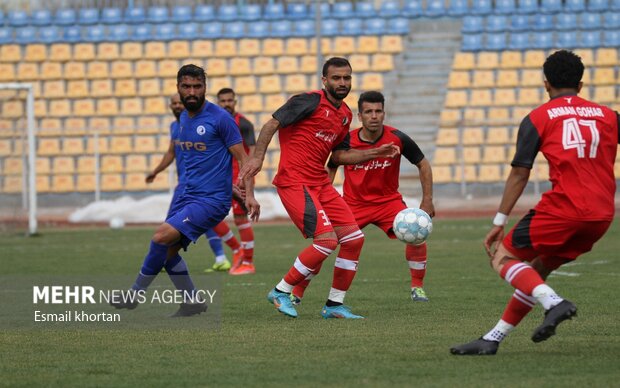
(371, 187)
(579, 140)
(243, 254)
(311, 126)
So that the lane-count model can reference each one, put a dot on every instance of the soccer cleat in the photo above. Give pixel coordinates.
(295, 300)
(237, 258)
(553, 317)
(222, 266)
(243, 269)
(189, 309)
(341, 311)
(282, 302)
(418, 295)
(479, 347)
(129, 303)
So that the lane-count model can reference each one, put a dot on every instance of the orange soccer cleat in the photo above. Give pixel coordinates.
(243, 269)
(237, 258)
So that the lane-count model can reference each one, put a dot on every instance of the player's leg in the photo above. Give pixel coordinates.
(229, 239)
(416, 258)
(221, 261)
(300, 289)
(247, 243)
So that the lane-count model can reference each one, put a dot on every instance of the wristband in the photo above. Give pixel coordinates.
(500, 219)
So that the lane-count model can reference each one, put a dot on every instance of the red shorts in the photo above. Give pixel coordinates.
(315, 210)
(237, 208)
(381, 215)
(555, 240)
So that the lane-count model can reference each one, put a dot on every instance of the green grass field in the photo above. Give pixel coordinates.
(399, 344)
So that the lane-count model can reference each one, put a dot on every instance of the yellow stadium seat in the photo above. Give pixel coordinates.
(368, 44)
(12, 184)
(178, 49)
(584, 93)
(51, 70)
(131, 106)
(487, 60)
(464, 61)
(148, 125)
(450, 116)
(164, 143)
(63, 165)
(13, 109)
(483, 79)
(505, 97)
(112, 182)
(83, 51)
(161, 182)
(251, 103)
(35, 52)
(10, 53)
(85, 183)
(48, 146)
(471, 155)
(605, 94)
(60, 52)
(50, 127)
(540, 172)
(131, 50)
(468, 174)
(149, 87)
(217, 83)
(372, 81)
(101, 87)
(54, 89)
(202, 49)
(296, 46)
(309, 64)
(273, 102)
(481, 97)
(13, 166)
(270, 84)
(494, 154)
(343, 45)
(77, 88)
(43, 183)
(75, 126)
(326, 46)
(498, 115)
(511, 60)
(60, 108)
(456, 98)
(531, 77)
(107, 107)
(145, 68)
(489, 173)
(154, 105)
(245, 84)
(587, 56)
(225, 48)
(84, 107)
(168, 68)
(473, 136)
(72, 146)
(155, 50)
(604, 76)
(135, 182)
(507, 78)
(86, 164)
(121, 69)
(360, 62)
(498, 135)
(249, 47)
(240, 66)
(97, 70)
(216, 67)
(607, 57)
(27, 71)
(296, 83)
(123, 125)
(40, 108)
(263, 65)
(170, 86)
(102, 145)
(529, 96)
(444, 155)
(442, 174)
(145, 144)
(447, 136)
(473, 116)
(287, 65)
(125, 87)
(121, 144)
(107, 51)
(391, 44)
(42, 165)
(382, 62)
(272, 47)
(459, 80)
(136, 163)
(7, 72)
(534, 59)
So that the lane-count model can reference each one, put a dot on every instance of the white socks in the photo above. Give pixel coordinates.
(499, 332)
(546, 296)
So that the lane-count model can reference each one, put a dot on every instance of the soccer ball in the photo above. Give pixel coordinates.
(117, 223)
(412, 226)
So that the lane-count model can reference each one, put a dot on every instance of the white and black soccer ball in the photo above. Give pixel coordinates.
(412, 225)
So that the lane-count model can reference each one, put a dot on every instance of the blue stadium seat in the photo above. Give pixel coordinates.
(157, 14)
(566, 39)
(118, 32)
(251, 12)
(413, 8)
(1, 18)
(482, 7)
(504, 6)
(65, 17)
(6, 35)
(204, 13)
(212, 30)
(330, 27)
(227, 13)
(566, 21)
(181, 14)
(72, 34)
(519, 41)
(542, 22)
(363, 9)
(344, 10)
(41, 17)
(135, 15)
(528, 6)
(542, 40)
(435, 8)
(495, 42)
(551, 6)
(611, 20)
(598, 5)
(281, 29)
(519, 22)
(398, 26)
(374, 26)
(615, 5)
(326, 11)
(473, 23)
(165, 31)
(351, 27)
(25, 35)
(142, 32)
(496, 23)
(304, 28)
(590, 21)
(49, 34)
(458, 8)
(111, 15)
(574, 5)
(88, 16)
(590, 39)
(472, 42)
(96, 33)
(611, 38)
(389, 8)
(234, 30)
(296, 11)
(18, 18)
(258, 29)
(187, 31)
(274, 11)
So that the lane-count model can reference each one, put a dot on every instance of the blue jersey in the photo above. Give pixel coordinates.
(178, 155)
(203, 143)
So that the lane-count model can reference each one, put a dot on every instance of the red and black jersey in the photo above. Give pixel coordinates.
(247, 134)
(311, 127)
(579, 140)
(376, 181)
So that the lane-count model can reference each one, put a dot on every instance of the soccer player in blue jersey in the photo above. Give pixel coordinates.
(174, 154)
(208, 141)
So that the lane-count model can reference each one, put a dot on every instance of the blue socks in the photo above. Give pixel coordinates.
(152, 265)
(177, 270)
(215, 242)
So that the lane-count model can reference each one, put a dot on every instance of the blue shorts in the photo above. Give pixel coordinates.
(174, 204)
(193, 217)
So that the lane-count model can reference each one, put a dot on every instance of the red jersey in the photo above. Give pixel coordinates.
(579, 140)
(376, 181)
(311, 127)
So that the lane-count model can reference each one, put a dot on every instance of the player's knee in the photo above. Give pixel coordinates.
(330, 243)
(165, 235)
(354, 243)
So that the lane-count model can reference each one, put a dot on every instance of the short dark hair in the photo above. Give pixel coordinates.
(225, 91)
(563, 69)
(336, 62)
(193, 71)
(370, 96)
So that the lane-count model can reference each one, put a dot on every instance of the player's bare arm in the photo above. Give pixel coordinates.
(426, 181)
(166, 160)
(331, 172)
(254, 163)
(251, 204)
(515, 184)
(354, 156)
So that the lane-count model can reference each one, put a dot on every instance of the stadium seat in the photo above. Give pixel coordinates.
(605, 94)
(611, 20)
(507, 78)
(287, 65)
(141, 32)
(107, 107)
(97, 70)
(234, 30)
(42, 165)
(155, 50)
(10, 53)
(227, 12)
(178, 49)
(607, 57)
(473, 24)
(498, 135)
(542, 40)
(381, 62)
(473, 116)
(447, 137)
(84, 52)
(131, 50)
(63, 165)
(574, 5)
(296, 83)
(490, 173)
(217, 67)
(217, 83)
(473, 136)
(444, 156)
(54, 89)
(495, 41)
(604, 76)
(202, 49)
(111, 16)
(17, 18)
(251, 103)
(102, 145)
(35, 52)
(360, 62)
(367, 45)
(343, 45)
(135, 182)
(527, 6)
(471, 155)
(456, 98)
(263, 65)
(590, 21)
(121, 69)
(590, 39)
(72, 34)
(249, 47)
(225, 48)
(510, 60)
(519, 23)
(533, 59)
(169, 86)
(413, 8)
(145, 68)
(239, 66)
(149, 87)
(27, 71)
(542, 22)
(598, 5)
(148, 125)
(487, 60)
(351, 27)
(112, 182)
(154, 105)
(551, 6)
(459, 80)
(482, 7)
(273, 102)
(611, 38)
(296, 11)
(145, 144)
(296, 46)
(95, 33)
(258, 29)
(372, 81)
(25, 35)
(481, 97)
(84, 107)
(483, 79)
(48, 146)
(108, 51)
(344, 10)
(125, 87)
(506, 6)
(615, 6)
(6, 35)
(273, 47)
(5, 147)
(566, 21)
(472, 42)
(566, 39)
(133, 106)
(274, 11)
(245, 84)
